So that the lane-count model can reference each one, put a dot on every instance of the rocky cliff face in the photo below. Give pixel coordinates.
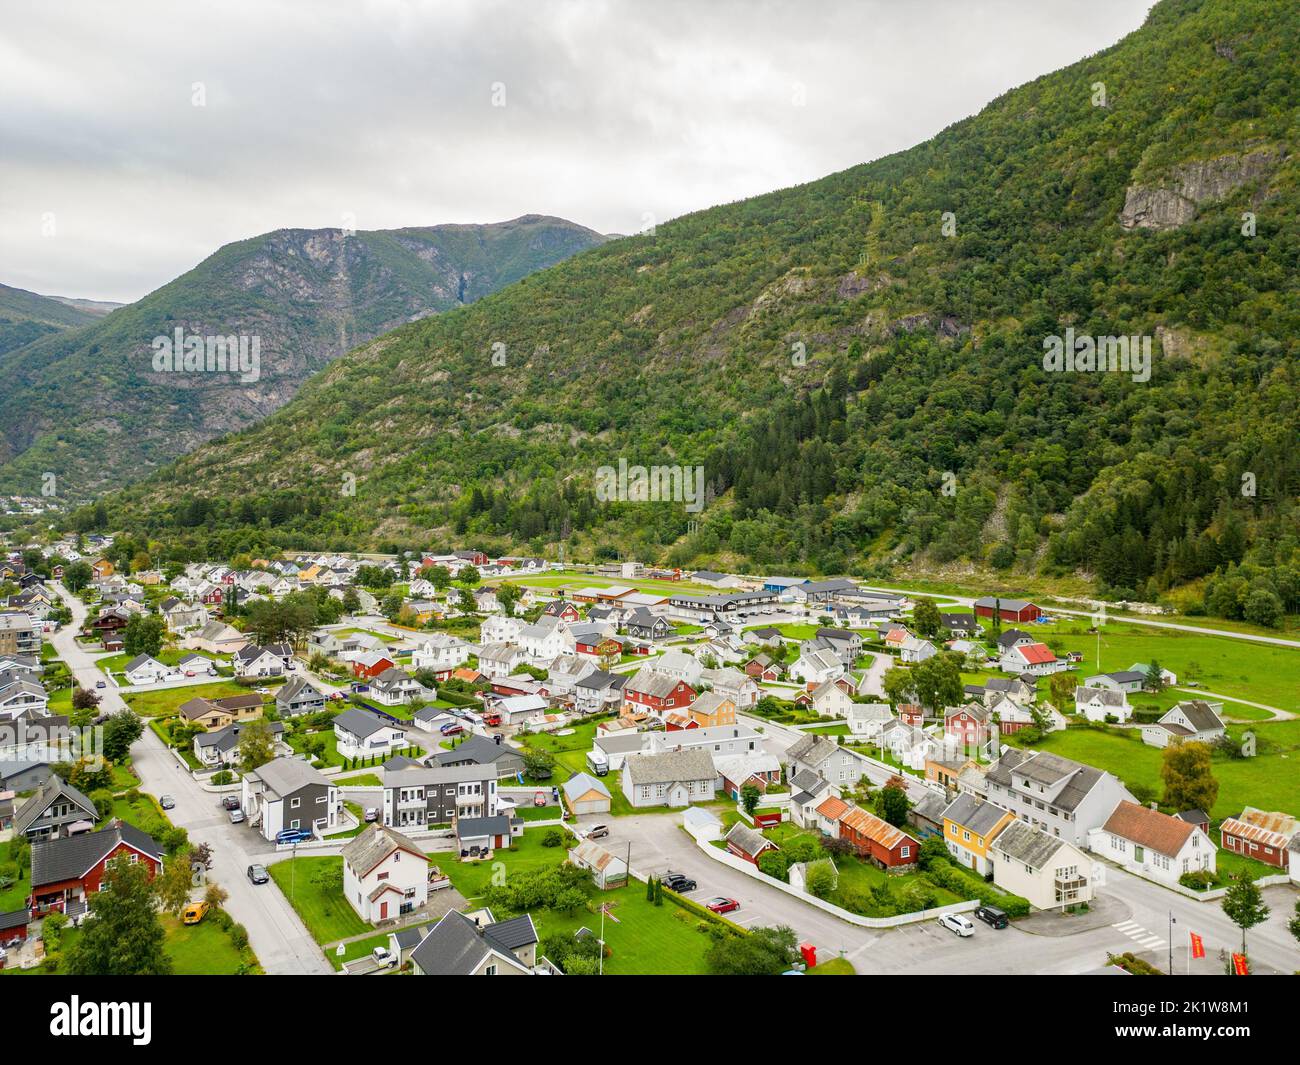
(1174, 202)
(91, 405)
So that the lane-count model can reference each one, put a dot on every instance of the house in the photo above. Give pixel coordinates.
(440, 653)
(670, 778)
(362, 734)
(562, 609)
(808, 792)
(299, 696)
(816, 666)
(287, 793)
(967, 726)
(1050, 872)
(865, 720)
(710, 710)
(367, 665)
(179, 615)
(254, 661)
(878, 841)
(500, 629)
(68, 872)
(826, 758)
(827, 699)
(1151, 844)
(218, 638)
(845, 644)
(461, 946)
(732, 684)
(22, 696)
(584, 794)
(196, 665)
(385, 875)
(598, 692)
(961, 626)
(746, 842)
(481, 837)
(221, 748)
(547, 638)
(1261, 835)
(1018, 610)
(489, 753)
(829, 813)
(679, 665)
(1031, 659)
(1167, 676)
(915, 649)
(218, 713)
(143, 669)
(814, 593)
(16, 776)
(1125, 680)
(762, 667)
(607, 868)
(55, 810)
(1102, 704)
(394, 687)
(645, 625)
(32, 738)
(1194, 720)
(659, 693)
(518, 711)
(500, 659)
(1067, 799)
(926, 814)
(1011, 716)
(736, 771)
(421, 797)
(19, 635)
(969, 826)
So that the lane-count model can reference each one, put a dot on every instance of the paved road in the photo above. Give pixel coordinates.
(278, 937)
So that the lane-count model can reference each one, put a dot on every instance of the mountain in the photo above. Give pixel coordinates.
(25, 316)
(89, 405)
(865, 366)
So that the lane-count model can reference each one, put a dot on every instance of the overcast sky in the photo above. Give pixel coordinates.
(113, 181)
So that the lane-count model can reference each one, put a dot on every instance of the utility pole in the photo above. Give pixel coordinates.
(1172, 922)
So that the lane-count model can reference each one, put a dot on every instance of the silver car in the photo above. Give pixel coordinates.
(236, 817)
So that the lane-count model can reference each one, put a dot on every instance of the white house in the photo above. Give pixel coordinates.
(828, 699)
(394, 687)
(1152, 844)
(1098, 704)
(500, 629)
(385, 875)
(1193, 720)
(865, 720)
(146, 670)
(440, 652)
(361, 734)
(731, 684)
(915, 649)
(254, 661)
(672, 778)
(1036, 659)
(1048, 871)
(680, 666)
(816, 667)
(500, 659)
(546, 639)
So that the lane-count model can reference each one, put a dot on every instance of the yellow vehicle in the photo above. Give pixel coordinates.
(194, 912)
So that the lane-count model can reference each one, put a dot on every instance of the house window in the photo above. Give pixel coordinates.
(294, 804)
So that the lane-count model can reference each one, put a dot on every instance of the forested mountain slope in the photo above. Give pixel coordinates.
(858, 363)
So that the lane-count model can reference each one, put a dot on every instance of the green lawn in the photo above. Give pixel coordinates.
(360, 780)
(472, 879)
(323, 910)
(833, 967)
(1268, 781)
(13, 898)
(166, 702)
(203, 949)
(168, 656)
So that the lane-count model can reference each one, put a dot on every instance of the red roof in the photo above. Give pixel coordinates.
(1036, 653)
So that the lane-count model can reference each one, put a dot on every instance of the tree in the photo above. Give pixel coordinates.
(1244, 904)
(465, 602)
(820, 879)
(1061, 689)
(1188, 776)
(256, 744)
(749, 798)
(76, 575)
(937, 682)
(508, 597)
(469, 576)
(85, 699)
(893, 804)
(926, 618)
(122, 936)
(1154, 680)
(764, 952)
(897, 684)
(143, 635)
(538, 764)
(174, 883)
(120, 731)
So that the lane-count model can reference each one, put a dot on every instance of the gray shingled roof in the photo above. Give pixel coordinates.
(669, 767)
(284, 776)
(974, 814)
(372, 846)
(74, 856)
(54, 788)
(1027, 844)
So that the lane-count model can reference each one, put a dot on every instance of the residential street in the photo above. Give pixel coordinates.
(277, 936)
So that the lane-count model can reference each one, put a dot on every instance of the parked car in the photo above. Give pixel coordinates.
(167, 802)
(678, 882)
(957, 924)
(597, 831)
(237, 816)
(258, 874)
(722, 904)
(372, 814)
(452, 728)
(539, 798)
(383, 957)
(101, 684)
(194, 912)
(230, 802)
(292, 835)
(992, 916)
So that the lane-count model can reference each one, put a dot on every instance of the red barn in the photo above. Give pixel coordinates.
(1009, 609)
(371, 665)
(878, 841)
(67, 872)
(1261, 835)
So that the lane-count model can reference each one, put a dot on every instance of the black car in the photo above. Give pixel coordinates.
(992, 916)
(257, 874)
(678, 883)
(230, 802)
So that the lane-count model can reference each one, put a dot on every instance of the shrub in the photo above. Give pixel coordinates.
(1198, 880)
(553, 838)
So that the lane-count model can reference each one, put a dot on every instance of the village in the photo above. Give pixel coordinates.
(455, 764)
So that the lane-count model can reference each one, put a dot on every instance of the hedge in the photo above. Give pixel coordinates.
(948, 876)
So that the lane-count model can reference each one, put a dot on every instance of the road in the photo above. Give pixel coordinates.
(277, 936)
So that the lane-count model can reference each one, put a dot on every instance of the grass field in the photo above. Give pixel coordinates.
(15, 897)
(322, 907)
(570, 580)
(203, 949)
(472, 879)
(165, 703)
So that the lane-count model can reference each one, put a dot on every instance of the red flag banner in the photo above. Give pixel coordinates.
(1198, 945)
(1239, 967)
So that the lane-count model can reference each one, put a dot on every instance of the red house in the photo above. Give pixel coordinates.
(911, 714)
(1261, 835)
(878, 841)
(13, 930)
(605, 647)
(562, 609)
(214, 596)
(67, 872)
(371, 665)
(474, 558)
(657, 692)
(748, 843)
(968, 725)
(1009, 609)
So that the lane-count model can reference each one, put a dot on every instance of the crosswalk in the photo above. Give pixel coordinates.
(1143, 937)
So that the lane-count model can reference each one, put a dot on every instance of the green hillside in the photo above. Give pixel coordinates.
(25, 316)
(88, 405)
(858, 363)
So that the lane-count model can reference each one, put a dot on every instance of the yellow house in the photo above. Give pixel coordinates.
(969, 826)
(102, 568)
(713, 709)
(310, 574)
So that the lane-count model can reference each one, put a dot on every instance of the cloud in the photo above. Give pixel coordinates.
(614, 113)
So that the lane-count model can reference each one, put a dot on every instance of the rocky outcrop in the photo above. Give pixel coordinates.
(1173, 203)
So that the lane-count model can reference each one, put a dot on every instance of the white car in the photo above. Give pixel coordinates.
(383, 957)
(955, 922)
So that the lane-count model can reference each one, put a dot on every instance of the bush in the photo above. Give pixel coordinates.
(775, 864)
(554, 838)
(1198, 881)
(947, 876)
(239, 936)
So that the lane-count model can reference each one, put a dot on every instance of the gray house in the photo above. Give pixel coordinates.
(826, 758)
(57, 809)
(299, 696)
(287, 793)
(482, 751)
(414, 798)
(1064, 798)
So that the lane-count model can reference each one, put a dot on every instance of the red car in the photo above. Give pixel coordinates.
(721, 905)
